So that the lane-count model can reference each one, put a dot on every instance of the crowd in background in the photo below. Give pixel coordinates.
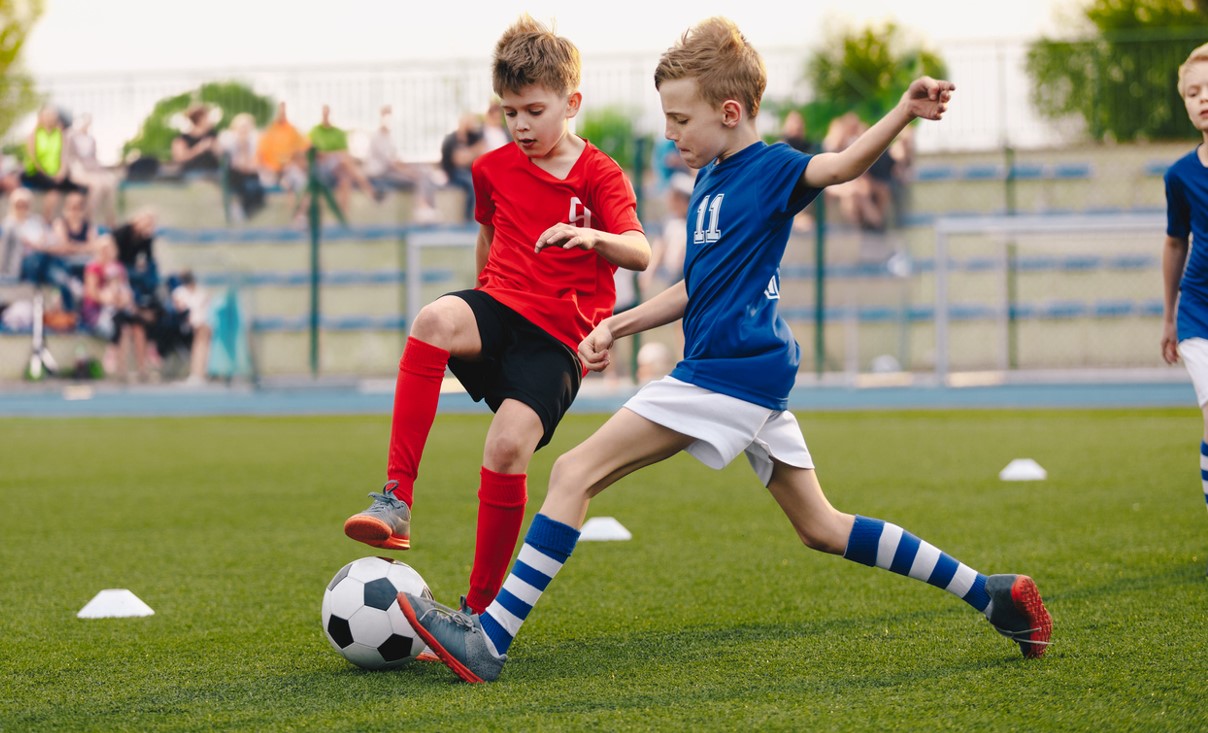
(62, 230)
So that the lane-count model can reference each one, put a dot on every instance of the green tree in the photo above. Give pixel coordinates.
(865, 71)
(610, 129)
(155, 136)
(18, 94)
(1119, 74)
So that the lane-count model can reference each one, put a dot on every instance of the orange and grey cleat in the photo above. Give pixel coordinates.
(386, 523)
(1017, 612)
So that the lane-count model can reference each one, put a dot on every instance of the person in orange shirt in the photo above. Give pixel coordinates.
(281, 154)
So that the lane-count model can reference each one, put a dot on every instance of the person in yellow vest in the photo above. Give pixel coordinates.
(45, 163)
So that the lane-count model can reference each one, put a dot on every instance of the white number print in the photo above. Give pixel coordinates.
(580, 215)
(712, 207)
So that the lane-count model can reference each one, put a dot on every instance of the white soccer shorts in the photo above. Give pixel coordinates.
(1194, 353)
(723, 426)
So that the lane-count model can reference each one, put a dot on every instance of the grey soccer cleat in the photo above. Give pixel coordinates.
(427, 655)
(454, 636)
(386, 523)
(1017, 612)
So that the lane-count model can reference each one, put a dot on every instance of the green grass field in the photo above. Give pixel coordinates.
(712, 618)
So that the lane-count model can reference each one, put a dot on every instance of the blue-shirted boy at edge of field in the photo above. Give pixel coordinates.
(729, 395)
(1185, 311)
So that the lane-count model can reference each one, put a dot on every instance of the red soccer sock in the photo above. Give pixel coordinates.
(416, 394)
(501, 500)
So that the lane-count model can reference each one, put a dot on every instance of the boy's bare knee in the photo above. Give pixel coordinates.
(509, 452)
(434, 324)
(565, 476)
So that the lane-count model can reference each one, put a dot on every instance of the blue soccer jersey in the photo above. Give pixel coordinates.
(739, 220)
(1187, 214)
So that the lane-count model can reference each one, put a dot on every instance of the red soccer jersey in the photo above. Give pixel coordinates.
(564, 292)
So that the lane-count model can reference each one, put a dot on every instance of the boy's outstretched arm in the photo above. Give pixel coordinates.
(1174, 259)
(926, 98)
(629, 250)
(660, 310)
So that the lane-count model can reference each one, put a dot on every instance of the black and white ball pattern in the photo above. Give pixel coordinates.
(361, 616)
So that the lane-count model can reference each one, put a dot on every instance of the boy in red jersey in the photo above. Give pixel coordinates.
(557, 216)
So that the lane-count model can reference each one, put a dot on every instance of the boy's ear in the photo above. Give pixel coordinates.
(731, 113)
(572, 104)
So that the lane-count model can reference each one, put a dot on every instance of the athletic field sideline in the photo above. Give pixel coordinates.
(712, 618)
(341, 396)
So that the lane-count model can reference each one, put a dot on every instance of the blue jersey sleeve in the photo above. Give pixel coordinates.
(1178, 210)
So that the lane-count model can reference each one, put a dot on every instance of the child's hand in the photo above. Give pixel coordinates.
(567, 237)
(928, 98)
(1170, 343)
(593, 351)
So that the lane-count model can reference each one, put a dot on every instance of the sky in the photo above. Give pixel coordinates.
(107, 36)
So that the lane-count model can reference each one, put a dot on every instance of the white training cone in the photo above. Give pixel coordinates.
(601, 529)
(115, 603)
(1023, 469)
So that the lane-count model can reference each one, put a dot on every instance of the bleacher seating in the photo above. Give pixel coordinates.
(362, 283)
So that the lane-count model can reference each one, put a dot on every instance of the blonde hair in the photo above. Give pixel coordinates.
(529, 53)
(724, 64)
(1200, 54)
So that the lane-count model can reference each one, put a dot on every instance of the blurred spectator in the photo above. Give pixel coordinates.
(87, 172)
(75, 233)
(196, 149)
(192, 302)
(494, 129)
(458, 151)
(30, 241)
(667, 162)
(386, 171)
(46, 161)
(10, 174)
(339, 170)
(792, 131)
(903, 152)
(135, 250)
(281, 154)
(655, 361)
(109, 311)
(880, 192)
(239, 144)
(669, 243)
(864, 201)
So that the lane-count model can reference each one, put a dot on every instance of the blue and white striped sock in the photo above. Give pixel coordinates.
(1204, 469)
(888, 546)
(546, 547)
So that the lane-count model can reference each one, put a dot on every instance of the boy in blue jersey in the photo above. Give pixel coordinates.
(1186, 278)
(729, 395)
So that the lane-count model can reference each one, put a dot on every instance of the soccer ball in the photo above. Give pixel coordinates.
(361, 617)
